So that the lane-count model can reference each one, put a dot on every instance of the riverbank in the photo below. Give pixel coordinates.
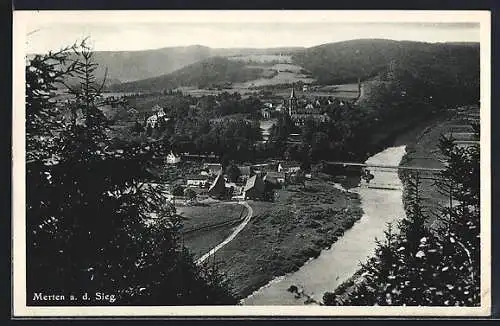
(341, 260)
(421, 150)
(284, 235)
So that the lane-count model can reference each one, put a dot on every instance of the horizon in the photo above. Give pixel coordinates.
(284, 46)
(42, 37)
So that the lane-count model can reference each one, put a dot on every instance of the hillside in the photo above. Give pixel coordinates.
(134, 65)
(432, 68)
(212, 72)
(125, 66)
(345, 62)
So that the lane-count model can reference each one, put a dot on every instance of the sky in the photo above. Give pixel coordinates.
(127, 33)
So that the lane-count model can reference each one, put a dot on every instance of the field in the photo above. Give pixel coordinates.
(423, 151)
(286, 74)
(206, 218)
(283, 235)
(263, 58)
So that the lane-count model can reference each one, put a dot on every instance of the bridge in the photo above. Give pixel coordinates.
(395, 167)
(372, 174)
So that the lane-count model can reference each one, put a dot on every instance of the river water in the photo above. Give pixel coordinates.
(341, 261)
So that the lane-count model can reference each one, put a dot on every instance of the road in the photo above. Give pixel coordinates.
(233, 235)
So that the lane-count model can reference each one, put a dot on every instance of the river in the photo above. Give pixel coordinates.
(341, 261)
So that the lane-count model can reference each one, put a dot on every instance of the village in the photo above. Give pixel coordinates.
(197, 177)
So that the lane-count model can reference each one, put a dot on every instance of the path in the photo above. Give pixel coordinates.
(233, 235)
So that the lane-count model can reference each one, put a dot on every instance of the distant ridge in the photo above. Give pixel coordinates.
(346, 61)
(126, 66)
(334, 63)
(213, 71)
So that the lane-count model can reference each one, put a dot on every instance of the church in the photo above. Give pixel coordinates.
(300, 112)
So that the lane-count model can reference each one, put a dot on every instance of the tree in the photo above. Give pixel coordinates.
(190, 193)
(177, 190)
(233, 172)
(137, 128)
(93, 224)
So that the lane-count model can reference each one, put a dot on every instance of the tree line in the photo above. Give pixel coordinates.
(92, 224)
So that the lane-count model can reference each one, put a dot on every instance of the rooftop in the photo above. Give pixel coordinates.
(254, 181)
(196, 177)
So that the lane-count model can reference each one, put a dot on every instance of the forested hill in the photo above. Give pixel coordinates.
(210, 72)
(345, 62)
(127, 66)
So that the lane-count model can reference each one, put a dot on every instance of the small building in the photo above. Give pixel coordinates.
(275, 178)
(173, 159)
(152, 121)
(218, 187)
(254, 188)
(246, 171)
(294, 139)
(305, 88)
(196, 180)
(133, 112)
(288, 167)
(266, 113)
(212, 168)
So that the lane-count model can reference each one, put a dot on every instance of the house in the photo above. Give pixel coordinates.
(288, 167)
(152, 121)
(300, 113)
(264, 167)
(132, 112)
(254, 188)
(212, 168)
(196, 180)
(266, 114)
(275, 178)
(173, 159)
(305, 88)
(218, 187)
(246, 171)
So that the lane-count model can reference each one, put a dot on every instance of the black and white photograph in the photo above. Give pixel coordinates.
(251, 163)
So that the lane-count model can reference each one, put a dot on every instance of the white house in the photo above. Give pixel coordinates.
(288, 167)
(265, 113)
(152, 121)
(196, 180)
(173, 159)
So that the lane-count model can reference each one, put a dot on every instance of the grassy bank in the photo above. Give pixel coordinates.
(207, 225)
(423, 151)
(283, 235)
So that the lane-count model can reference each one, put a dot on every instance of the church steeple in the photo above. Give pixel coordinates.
(292, 107)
